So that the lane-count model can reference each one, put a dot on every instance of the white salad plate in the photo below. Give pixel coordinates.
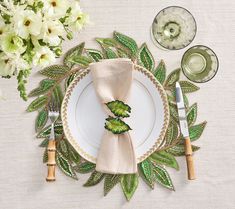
(83, 116)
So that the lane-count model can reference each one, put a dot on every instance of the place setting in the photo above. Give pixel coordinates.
(114, 112)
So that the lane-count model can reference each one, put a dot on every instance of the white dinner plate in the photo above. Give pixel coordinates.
(83, 117)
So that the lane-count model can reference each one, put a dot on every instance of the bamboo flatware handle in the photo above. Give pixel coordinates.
(189, 159)
(51, 149)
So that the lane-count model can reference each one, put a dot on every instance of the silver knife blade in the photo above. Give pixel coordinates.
(181, 111)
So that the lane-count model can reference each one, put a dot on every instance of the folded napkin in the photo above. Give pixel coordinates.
(112, 80)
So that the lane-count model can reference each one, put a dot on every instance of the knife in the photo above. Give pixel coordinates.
(185, 132)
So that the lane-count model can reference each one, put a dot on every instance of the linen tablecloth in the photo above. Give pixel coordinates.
(22, 174)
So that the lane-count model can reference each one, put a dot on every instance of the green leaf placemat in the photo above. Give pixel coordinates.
(152, 170)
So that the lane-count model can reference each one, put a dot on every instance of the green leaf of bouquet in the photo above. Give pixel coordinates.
(146, 172)
(126, 42)
(37, 103)
(41, 119)
(196, 131)
(85, 167)
(110, 181)
(55, 71)
(119, 108)
(160, 72)
(96, 55)
(77, 50)
(162, 177)
(45, 133)
(116, 125)
(65, 165)
(110, 54)
(44, 86)
(179, 150)
(172, 132)
(188, 87)
(192, 114)
(129, 183)
(145, 58)
(45, 156)
(80, 60)
(95, 178)
(164, 158)
(172, 78)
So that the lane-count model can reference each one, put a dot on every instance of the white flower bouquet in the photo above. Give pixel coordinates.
(31, 34)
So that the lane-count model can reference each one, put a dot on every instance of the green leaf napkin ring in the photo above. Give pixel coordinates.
(115, 124)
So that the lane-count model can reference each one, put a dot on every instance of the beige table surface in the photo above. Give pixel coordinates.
(22, 184)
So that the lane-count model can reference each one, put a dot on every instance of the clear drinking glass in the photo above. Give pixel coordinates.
(173, 28)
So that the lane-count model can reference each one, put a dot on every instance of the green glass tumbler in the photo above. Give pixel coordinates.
(199, 64)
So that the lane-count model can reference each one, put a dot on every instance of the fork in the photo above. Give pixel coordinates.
(51, 148)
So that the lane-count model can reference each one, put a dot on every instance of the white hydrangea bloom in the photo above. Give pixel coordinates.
(51, 30)
(77, 19)
(11, 43)
(43, 56)
(9, 63)
(56, 8)
(27, 22)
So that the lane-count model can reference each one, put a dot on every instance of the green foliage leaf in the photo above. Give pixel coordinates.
(146, 172)
(85, 167)
(45, 156)
(196, 131)
(58, 95)
(69, 80)
(145, 58)
(96, 55)
(160, 72)
(55, 71)
(192, 114)
(119, 108)
(164, 158)
(95, 178)
(126, 42)
(172, 78)
(129, 183)
(179, 150)
(65, 165)
(77, 50)
(162, 177)
(41, 119)
(116, 125)
(188, 87)
(44, 86)
(44, 143)
(110, 54)
(174, 112)
(63, 148)
(45, 133)
(80, 60)
(107, 42)
(73, 155)
(172, 132)
(122, 54)
(37, 103)
(110, 181)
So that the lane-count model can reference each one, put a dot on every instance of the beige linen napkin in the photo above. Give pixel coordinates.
(112, 81)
